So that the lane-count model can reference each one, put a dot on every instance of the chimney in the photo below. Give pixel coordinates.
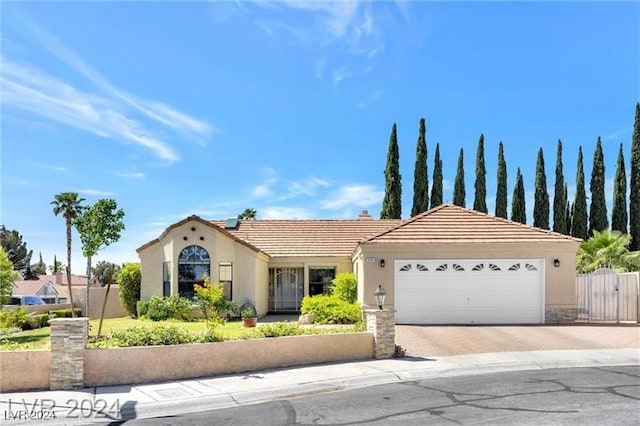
(364, 215)
(58, 278)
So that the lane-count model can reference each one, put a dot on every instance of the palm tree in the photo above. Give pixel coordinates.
(248, 214)
(608, 249)
(70, 206)
(106, 272)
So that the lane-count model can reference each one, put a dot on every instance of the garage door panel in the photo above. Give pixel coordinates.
(469, 291)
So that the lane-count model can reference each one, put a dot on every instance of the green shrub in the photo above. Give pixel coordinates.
(129, 287)
(142, 308)
(14, 318)
(65, 313)
(279, 329)
(164, 308)
(331, 310)
(36, 321)
(152, 336)
(344, 286)
(210, 298)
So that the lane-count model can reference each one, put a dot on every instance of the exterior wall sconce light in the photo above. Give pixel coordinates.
(382, 263)
(556, 262)
(380, 295)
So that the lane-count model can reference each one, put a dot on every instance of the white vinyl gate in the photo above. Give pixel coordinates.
(608, 296)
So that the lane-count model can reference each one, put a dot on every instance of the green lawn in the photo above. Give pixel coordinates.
(40, 338)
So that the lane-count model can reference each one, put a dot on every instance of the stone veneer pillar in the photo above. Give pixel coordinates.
(381, 322)
(68, 342)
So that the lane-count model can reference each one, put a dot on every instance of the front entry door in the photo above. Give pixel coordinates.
(286, 289)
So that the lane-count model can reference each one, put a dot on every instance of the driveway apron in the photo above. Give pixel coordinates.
(459, 340)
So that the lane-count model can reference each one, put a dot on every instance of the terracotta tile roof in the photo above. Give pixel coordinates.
(60, 283)
(307, 238)
(449, 223)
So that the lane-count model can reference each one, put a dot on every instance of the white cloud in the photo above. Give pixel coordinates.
(107, 112)
(276, 212)
(133, 175)
(306, 187)
(360, 195)
(92, 191)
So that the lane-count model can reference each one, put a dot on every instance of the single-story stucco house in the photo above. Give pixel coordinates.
(448, 265)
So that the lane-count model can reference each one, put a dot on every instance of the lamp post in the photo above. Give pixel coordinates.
(380, 295)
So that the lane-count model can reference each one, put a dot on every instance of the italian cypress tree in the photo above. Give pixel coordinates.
(579, 208)
(458, 185)
(619, 214)
(518, 207)
(560, 196)
(568, 210)
(501, 192)
(436, 188)
(541, 200)
(598, 211)
(420, 175)
(480, 199)
(392, 203)
(634, 187)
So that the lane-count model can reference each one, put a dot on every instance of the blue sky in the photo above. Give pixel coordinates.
(211, 107)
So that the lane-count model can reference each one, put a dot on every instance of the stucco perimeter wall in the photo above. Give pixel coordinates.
(24, 370)
(560, 289)
(131, 365)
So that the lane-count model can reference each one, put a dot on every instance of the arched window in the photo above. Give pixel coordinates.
(193, 264)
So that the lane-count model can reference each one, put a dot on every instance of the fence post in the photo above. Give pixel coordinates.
(68, 343)
(381, 322)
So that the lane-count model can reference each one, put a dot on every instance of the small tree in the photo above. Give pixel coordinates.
(210, 298)
(420, 174)
(57, 266)
(458, 185)
(579, 208)
(559, 196)
(16, 249)
(480, 199)
(39, 268)
(607, 249)
(619, 215)
(518, 208)
(436, 188)
(392, 203)
(541, 200)
(501, 191)
(634, 184)
(7, 277)
(99, 226)
(344, 286)
(129, 287)
(598, 211)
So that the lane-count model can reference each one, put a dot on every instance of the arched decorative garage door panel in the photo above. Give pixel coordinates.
(469, 291)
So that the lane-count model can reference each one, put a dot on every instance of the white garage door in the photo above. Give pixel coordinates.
(469, 291)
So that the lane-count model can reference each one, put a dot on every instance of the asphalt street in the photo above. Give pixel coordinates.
(575, 396)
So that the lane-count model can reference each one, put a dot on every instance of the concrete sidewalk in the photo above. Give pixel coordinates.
(112, 403)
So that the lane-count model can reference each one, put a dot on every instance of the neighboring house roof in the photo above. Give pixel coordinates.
(308, 238)
(39, 286)
(449, 223)
(203, 222)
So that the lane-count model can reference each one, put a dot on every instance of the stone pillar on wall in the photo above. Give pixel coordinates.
(68, 343)
(381, 322)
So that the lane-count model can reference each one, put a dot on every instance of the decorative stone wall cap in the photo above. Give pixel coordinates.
(71, 320)
(373, 311)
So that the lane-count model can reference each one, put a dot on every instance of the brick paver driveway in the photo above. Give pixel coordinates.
(459, 340)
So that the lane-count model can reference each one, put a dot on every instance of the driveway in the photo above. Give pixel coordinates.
(460, 340)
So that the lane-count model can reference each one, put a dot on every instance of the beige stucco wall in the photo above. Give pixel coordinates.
(248, 264)
(131, 365)
(560, 282)
(113, 309)
(24, 370)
